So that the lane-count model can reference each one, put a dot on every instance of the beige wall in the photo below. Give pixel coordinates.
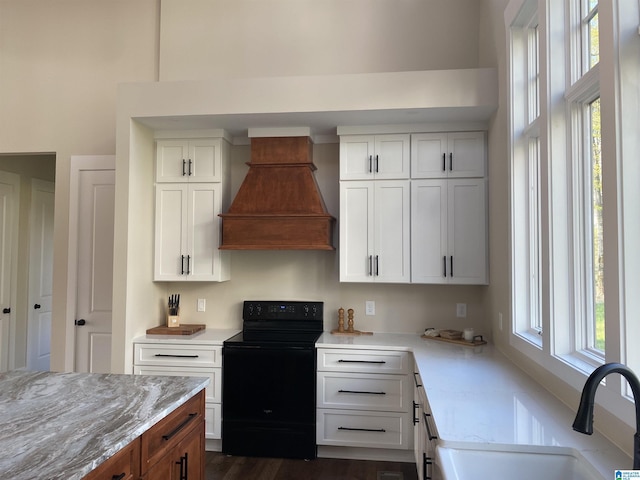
(204, 39)
(60, 64)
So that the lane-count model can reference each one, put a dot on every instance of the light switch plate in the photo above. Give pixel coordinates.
(369, 307)
(461, 310)
(202, 304)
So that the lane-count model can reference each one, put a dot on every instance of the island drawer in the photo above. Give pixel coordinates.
(124, 465)
(177, 355)
(168, 432)
(366, 361)
(364, 429)
(364, 391)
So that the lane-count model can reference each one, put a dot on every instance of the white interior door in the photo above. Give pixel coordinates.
(40, 275)
(9, 198)
(94, 178)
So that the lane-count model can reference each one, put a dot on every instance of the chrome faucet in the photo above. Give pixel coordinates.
(583, 422)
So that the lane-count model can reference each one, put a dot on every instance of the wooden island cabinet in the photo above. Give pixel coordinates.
(172, 449)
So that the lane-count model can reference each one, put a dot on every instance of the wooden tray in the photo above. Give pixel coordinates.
(184, 329)
(477, 340)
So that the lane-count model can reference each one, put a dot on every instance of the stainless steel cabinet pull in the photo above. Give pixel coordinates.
(378, 430)
(362, 361)
(364, 392)
(175, 356)
(175, 431)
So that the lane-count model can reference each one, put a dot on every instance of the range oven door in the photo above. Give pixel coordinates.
(269, 401)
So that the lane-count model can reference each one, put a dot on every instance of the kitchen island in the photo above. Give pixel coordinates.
(65, 425)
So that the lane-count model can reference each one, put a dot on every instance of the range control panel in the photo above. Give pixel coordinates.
(274, 310)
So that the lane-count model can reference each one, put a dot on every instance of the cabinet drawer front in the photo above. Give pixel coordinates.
(124, 465)
(213, 420)
(168, 432)
(364, 429)
(367, 361)
(213, 391)
(363, 391)
(177, 355)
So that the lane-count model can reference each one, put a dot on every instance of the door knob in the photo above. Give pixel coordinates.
(6, 310)
(36, 306)
(80, 322)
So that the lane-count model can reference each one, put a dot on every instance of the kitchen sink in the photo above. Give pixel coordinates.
(535, 464)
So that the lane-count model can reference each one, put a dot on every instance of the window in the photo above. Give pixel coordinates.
(525, 176)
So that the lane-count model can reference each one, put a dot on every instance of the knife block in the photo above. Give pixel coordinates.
(173, 320)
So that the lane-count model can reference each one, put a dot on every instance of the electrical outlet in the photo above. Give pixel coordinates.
(461, 310)
(202, 304)
(369, 307)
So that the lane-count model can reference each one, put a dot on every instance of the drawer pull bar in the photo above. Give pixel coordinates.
(119, 477)
(377, 430)
(426, 424)
(365, 392)
(362, 361)
(179, 427)
(175, 356)
(415, 379)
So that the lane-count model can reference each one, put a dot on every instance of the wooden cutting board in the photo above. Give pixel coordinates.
(458, 341)
(184, 329)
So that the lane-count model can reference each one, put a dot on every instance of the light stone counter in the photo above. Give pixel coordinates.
(477, 396)
(63, 425)
(208, 336)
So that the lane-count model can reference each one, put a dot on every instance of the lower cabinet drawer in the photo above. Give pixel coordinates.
(213, 390)
(364, 391)
(213, 421)
(124, 465)
(364, 429)
(169, 431)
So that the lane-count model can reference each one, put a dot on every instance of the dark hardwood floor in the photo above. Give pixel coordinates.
(222, 467)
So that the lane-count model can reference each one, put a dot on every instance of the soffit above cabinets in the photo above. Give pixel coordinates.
(321, 103)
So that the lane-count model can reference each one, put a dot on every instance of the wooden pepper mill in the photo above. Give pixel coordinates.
(350, 321)
(341, 320)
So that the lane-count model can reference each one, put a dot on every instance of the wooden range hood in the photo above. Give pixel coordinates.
(278, 205)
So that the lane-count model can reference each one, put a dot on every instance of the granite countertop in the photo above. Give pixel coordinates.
(63, 425)
(478, 397)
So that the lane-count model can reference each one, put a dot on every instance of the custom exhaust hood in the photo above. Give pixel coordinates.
(279, 205)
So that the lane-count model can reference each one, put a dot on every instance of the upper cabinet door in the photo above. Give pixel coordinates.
(193, 160)
(368, 157)
(448, 155)
(467, 154)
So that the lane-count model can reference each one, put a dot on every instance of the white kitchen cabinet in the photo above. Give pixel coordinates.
(190, 160)
(374, 231)
(366, 157)
(184, 359)
(449, 231)
(448, 155)
(187, 233)
(364, 399)
(425, 434)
